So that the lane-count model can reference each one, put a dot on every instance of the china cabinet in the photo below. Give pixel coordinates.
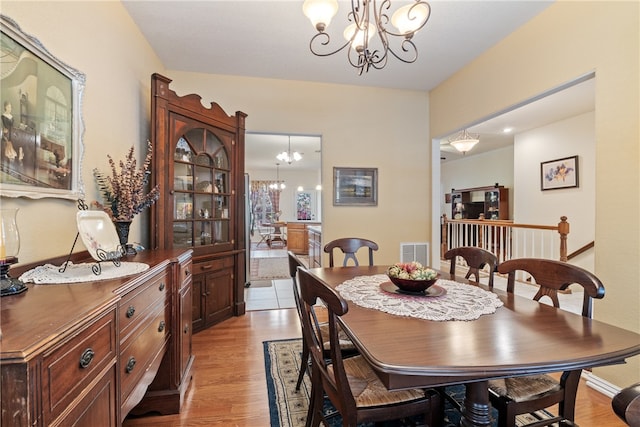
(198, 161)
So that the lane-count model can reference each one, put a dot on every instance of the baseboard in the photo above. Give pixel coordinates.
(600, 385)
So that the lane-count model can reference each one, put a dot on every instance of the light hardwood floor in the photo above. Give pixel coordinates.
(229, 385)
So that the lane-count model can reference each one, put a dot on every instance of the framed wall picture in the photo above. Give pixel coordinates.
(559, 173)
(41, 119)
(355, 186)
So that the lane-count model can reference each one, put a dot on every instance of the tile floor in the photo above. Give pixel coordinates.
(280, 294)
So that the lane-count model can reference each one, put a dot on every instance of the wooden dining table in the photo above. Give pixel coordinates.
(520, 338)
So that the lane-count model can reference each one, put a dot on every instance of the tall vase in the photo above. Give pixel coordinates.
(122, 228)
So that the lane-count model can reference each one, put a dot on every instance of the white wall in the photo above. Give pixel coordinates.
(575, 136)
(480, 170)
(100, 40)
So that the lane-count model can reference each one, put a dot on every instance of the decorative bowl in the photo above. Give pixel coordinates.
(415, 286)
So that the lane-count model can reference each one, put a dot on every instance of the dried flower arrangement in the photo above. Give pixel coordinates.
(123, 192)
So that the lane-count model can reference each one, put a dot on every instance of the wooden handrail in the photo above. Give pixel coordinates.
(581, 250)
(562, 228)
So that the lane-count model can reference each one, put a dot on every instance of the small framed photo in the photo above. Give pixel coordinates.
(355, 186)
(559, 173)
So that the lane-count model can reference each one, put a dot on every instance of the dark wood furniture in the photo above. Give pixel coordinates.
(298, 236)
(350, 383)
(504, 344)
(198, 161)
(476, 259)
(492, 202)
(89, 353)
(626, 405)
(513, 396)
(315, 246)
(349, 246)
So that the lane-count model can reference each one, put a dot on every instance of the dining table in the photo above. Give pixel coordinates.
(410, 346)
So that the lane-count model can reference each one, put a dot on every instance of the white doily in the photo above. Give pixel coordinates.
(77, 273)
(461, 302)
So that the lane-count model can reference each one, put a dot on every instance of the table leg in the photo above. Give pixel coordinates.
(476, 411)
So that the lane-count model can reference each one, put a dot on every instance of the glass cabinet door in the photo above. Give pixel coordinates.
(202, 195)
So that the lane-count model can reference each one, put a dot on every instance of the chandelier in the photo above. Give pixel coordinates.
(288, 156)
(277, 185)
(369, 18)
(464, 141)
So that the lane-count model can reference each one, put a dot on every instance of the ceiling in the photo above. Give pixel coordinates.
(270, 39)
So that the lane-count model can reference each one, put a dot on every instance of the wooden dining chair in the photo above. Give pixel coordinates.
(476, 259)
(513, 396)
(346, 345)
(626, 405)
(349, 246)
(350, 383)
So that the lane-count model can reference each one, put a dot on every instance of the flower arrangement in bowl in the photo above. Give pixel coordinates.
(412, 276)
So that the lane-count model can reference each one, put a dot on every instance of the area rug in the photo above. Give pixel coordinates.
(261, 283)
(269, 268)
(288, 407)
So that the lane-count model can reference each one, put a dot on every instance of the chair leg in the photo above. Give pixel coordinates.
(304, 366)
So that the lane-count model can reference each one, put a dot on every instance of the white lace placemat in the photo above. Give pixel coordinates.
(77, 273)
(461, 302)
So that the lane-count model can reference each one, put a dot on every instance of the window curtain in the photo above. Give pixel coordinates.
(260, 191)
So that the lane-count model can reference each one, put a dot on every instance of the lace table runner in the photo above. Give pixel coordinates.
(460, 302)
(77, 273)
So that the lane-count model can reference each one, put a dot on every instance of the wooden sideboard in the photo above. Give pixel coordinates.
(90, 353)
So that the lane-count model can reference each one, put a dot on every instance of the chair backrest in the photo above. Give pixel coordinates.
(553, 276)
(349, 246)
(476, 258)
(294, 263)
(330, 372)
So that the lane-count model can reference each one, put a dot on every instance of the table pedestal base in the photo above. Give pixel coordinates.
(476, 411)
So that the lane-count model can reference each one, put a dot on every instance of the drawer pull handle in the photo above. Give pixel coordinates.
(187, 272)
(131, 311)
(161, 326)
(86, 358)
(186, 329)
(206, 267)
(130, 365)
(161, 286)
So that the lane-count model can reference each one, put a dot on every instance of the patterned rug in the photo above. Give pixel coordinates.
(288, 407)
(269, 268)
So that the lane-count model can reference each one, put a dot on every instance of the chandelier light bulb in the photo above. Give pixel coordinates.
(320, 12)
(356, 36)
(410, 18)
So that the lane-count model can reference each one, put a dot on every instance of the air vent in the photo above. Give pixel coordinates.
(415, 252)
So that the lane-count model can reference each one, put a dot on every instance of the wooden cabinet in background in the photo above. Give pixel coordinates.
(315, 246)
(198, 162)
(471, 203)
(298, 237)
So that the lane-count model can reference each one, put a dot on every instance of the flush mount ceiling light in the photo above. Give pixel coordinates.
(288, 156)
(369, 18)
(464, 141)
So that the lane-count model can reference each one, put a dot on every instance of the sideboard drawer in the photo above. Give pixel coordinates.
(136, 304)
(141, 349)
(71, 366)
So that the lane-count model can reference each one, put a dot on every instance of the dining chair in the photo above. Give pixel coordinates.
(626, 405)
(264, 232)
(349, 246)
(513, 396)
(346, 345)
(351, 384)
(476, 259)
